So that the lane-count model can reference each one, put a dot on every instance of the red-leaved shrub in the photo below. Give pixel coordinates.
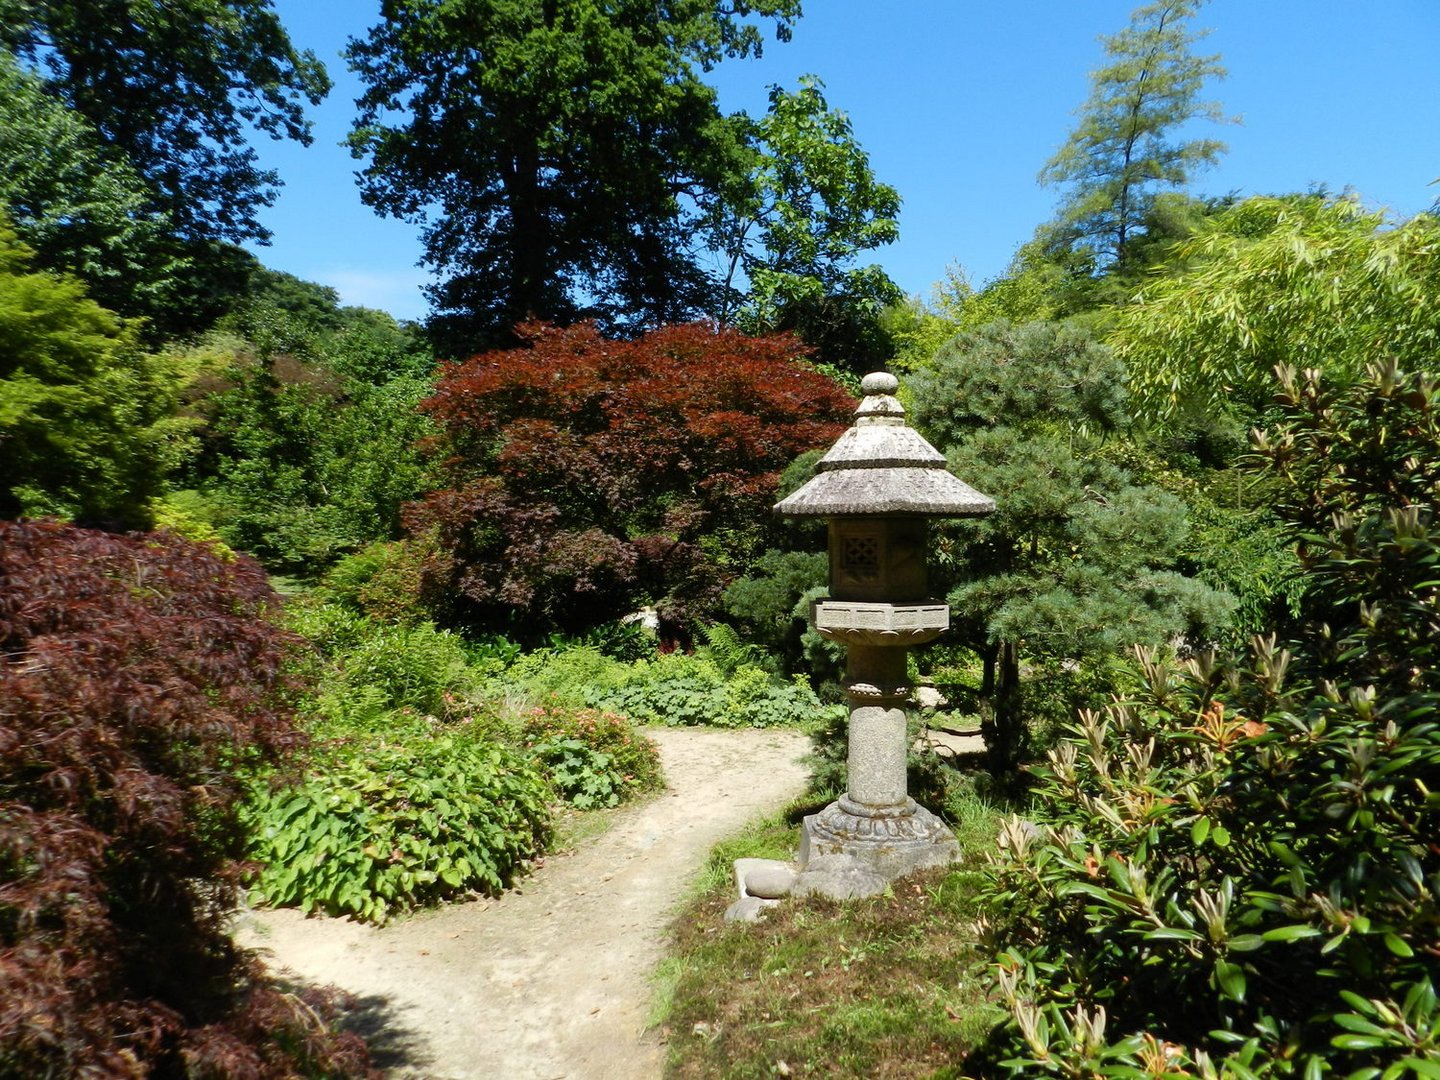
(588, 475)
(137, 674)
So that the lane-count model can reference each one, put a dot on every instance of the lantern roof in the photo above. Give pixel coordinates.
(881, 466)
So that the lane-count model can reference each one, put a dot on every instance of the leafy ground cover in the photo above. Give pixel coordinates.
(674, 689)
(439, 761)
(888, 986)
(421, 787)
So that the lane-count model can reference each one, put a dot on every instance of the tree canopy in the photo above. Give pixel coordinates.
(551, 151)
(793, 219)
(84, 411)
(81, 210)
(1078, 560)
(1307, 281)
(172, 87)
(586, 477)
(1125, 148)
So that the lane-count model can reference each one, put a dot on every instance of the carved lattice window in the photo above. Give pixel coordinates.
(860, 559)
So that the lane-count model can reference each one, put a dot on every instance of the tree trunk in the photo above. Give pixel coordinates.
(529, 236)
(1002, 721)
(987, 677)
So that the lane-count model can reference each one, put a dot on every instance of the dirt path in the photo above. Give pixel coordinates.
(550, 981)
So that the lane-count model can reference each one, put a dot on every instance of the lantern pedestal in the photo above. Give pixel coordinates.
(878, 487)
(875, 832)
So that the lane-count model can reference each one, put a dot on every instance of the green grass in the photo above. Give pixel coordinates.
(882, 987)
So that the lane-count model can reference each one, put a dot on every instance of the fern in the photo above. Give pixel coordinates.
(730, 654)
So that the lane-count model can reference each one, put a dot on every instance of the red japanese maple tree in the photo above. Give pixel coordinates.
(137, 673)
(591, 475)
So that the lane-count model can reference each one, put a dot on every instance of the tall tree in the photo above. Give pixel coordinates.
(1126, 148)
(554, 151)
(80, 211)
(790, 224)
(172, 86)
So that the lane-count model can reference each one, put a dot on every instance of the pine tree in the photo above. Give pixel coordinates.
(1079, 560)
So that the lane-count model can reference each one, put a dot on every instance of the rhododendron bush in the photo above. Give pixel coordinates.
(138, 675)
(1234, 869)
(589, 476)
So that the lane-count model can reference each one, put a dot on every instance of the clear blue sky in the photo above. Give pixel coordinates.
(959, 103)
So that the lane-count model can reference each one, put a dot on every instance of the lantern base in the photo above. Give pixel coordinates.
(850, 849)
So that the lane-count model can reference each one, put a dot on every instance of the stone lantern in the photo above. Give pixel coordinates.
(878, 486)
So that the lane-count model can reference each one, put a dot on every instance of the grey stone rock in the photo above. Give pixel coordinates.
(888, 846)
(839, 878)
(927, 697)
(770, 882)
(749, 908)
(773, 876)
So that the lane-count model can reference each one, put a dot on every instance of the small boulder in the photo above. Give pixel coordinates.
(839, 877)
(927, 697)
(749, 908)
(770, 882)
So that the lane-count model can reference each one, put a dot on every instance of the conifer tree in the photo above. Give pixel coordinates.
(1079, 560)
(1125, 149)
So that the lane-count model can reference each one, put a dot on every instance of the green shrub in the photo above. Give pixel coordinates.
(1231, 867)
(1235, 868)
(675, 689)
(413, 666)
(177, 513)
(494, 652)
(768, 602)
(680, 691)
(625, 641)
(367, 668)
(596, 758)
(731, 653)
(329, 628)
(382, 580)
(583, 776)
(381, 828)
(563, 675)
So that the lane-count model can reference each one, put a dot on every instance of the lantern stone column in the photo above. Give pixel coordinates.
(878, 486)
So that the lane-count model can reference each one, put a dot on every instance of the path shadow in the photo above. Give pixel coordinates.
(395, 1049)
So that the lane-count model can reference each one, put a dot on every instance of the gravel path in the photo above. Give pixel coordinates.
(551, 980)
